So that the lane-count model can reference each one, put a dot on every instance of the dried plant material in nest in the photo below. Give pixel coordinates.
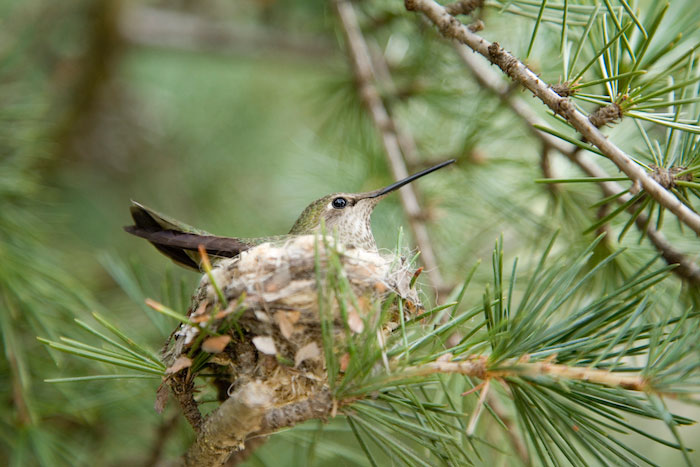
(271, 318)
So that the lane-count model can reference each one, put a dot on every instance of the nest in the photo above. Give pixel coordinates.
(268, 327)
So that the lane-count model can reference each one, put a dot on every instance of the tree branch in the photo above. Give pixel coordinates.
(183, 391)
(391, 138)
(319, 406)
(247, 416)
(686, 270)
(450, 27)
(477, 367)
(226, 429)
(250, 412)
(251, 444)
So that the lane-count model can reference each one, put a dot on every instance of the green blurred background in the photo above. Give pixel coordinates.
(236, 139)
(234, 130)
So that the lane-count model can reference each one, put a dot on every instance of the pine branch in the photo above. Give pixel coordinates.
(251, 444)
(536, 349)
(183, 391)
(478, 366)
(227, 428)
(366, 79)
(450, 27)
(383, 79)
(249, 414)
(687, 270)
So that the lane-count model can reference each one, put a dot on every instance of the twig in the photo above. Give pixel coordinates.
(477, 367)
(512, 430)
(103, 48)
(546, 167)
(686, 270)
(249, 447)
(183, 391)
(463, 7)
(492, 81)
(391, 140)
(242, 421)
(450, 27)
(632, 382)
(250, 413)
(226, 429)
(471, 426)
(319, 406)
(164, 431)
(382, 74)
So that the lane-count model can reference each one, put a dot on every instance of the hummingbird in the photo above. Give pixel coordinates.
(347, 215)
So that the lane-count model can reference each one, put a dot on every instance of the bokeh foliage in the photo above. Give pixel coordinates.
(236, 135)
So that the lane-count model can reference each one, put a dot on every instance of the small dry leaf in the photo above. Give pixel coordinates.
(161, 397)
(201, 309)
(265, 344)
(181, 363)
(216, 344)
(224, 313)
(309, 352)
(293, 316)
(416, 273)
(344, 362)
(355, 322)
(410, 307)
(285, 325)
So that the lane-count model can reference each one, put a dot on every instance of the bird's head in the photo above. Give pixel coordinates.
(347, 215)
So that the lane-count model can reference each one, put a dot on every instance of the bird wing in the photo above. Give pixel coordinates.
(178, 241)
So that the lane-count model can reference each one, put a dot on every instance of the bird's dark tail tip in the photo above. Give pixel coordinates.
(180, 246)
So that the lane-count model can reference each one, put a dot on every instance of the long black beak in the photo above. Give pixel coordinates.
(409, 179)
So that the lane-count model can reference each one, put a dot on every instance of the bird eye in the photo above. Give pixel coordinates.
(339, 203)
